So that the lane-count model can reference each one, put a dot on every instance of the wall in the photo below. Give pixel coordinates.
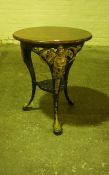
(92, 15)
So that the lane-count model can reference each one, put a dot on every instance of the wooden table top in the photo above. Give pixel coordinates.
(52, 35)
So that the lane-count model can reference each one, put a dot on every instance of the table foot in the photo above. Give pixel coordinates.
(27, 107)
(30, 107)
(57, 128)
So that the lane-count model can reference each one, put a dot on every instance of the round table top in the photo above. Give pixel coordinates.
(52, 35)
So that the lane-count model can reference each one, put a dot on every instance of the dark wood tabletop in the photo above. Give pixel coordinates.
(52, 35)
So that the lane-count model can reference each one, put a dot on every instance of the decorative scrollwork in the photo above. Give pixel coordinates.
(58, 58)
(59, 63)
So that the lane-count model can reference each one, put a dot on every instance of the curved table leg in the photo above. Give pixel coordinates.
(66, 82)
(26, 53)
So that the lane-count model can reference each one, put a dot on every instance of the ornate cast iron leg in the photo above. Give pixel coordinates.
(26, 53)
(58, 75)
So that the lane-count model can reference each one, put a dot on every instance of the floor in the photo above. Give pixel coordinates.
(27, 144)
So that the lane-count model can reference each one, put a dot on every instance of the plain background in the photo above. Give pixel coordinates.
(87, 14)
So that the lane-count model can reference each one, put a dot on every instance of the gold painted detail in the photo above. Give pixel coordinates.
(59, 63)
(58, 57)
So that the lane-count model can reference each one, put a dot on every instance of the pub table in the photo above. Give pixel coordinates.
(58, 47)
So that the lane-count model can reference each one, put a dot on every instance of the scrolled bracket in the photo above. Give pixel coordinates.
(71, 52)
